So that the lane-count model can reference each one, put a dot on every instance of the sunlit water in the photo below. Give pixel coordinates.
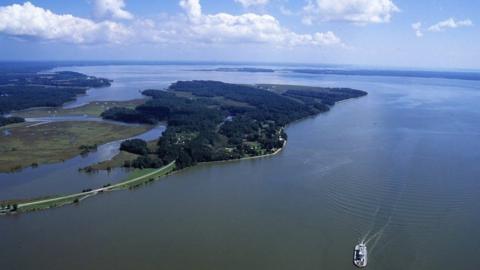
(398, 168)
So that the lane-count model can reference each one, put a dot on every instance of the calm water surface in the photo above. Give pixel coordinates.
(64, 178)
(398, 168)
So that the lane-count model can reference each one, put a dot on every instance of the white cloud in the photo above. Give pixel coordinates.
(193, 8)
(249, 28)
(28, 20)
(441, 26)
(112, 8)
(449, 23)
(355, 11)
(248, 3)
(417, 27)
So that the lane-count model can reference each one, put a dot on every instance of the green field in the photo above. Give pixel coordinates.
(141, 177)
(32, 145)
(92, 109)
(116, 162)
(282, 88)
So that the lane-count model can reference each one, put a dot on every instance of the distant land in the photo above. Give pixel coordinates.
(241, 69)
(458, 75)
(26, 88)
(394, 73)
(37, 66)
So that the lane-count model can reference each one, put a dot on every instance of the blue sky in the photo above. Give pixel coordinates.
(381, 33)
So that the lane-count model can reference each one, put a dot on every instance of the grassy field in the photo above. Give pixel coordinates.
(119, 160)
(140, 177)
(31, 145)
(92, 109)
(220, 100)
(116, 162)
(52, 202)
(282, 88)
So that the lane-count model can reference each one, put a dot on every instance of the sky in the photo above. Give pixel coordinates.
(436, 34)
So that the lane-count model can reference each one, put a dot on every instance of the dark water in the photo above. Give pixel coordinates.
(398, 168)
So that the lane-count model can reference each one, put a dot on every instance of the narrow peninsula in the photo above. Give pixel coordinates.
(206, 121)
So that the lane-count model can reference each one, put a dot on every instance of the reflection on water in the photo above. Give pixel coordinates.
(398, 168)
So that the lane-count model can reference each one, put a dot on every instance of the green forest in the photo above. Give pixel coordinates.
(10, 120)
(213, 121)
(23, 89)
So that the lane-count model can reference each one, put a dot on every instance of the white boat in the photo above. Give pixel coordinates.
(360, 255)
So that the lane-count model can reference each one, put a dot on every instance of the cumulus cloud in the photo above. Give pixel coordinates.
(193, 8)
(354, 11)
(28, 20)
(417, 27)
(112, 8)
(440, 26)
(449, 24)
(249, 27)
(248, 3)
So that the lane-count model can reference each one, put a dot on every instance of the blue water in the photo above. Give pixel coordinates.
(398, 167)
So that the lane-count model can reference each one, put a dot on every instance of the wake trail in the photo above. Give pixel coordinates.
(364, 238)
(377, 236)
(380, 232)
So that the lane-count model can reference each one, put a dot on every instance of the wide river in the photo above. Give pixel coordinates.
(398, 168)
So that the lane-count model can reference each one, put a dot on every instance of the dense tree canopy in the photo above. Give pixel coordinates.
(22, 90)
(329, 96)
(135, 146)
(209, 120)
(10, 120)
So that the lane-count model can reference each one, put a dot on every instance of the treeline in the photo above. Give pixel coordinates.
(269, 106)
(327, 95)
(147, 159)
(135, 146)
(10, 120)
(26, 90)
(208, 128)
(57, 79)
(127, 115)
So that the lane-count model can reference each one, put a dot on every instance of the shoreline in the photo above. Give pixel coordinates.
(36, 204)
(246, 158)
(58, 201)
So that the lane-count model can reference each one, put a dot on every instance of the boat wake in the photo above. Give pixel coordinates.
(377, 236)
(373, 235)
